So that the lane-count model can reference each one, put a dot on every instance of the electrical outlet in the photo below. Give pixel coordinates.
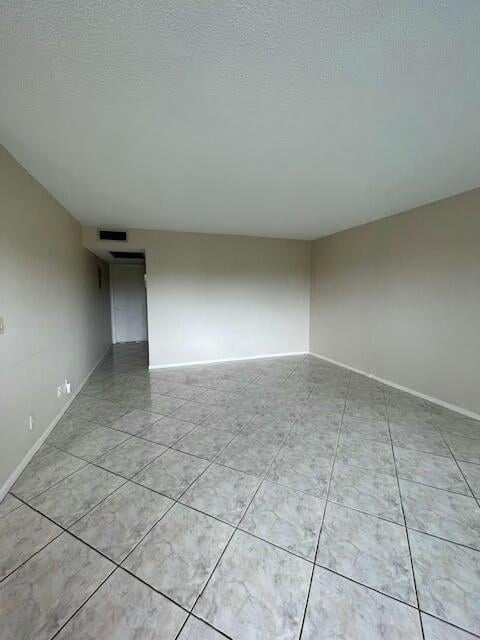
(59, 391)
(31, 422)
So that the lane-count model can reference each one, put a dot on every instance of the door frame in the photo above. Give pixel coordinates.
(112, 301)
(112, 305)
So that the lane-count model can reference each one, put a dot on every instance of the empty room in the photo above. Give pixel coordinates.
(240, 320)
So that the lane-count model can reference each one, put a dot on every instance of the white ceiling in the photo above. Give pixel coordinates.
(292, 119)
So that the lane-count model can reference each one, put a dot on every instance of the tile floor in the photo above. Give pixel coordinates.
(273, 499)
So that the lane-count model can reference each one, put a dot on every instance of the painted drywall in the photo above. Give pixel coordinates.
(214, 297)
(400, 298)
(57, 320)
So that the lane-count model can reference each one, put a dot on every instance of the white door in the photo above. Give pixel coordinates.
(129, 302)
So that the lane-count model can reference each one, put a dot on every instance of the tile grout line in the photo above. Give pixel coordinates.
(386, 404)
(116, 564)
(36, 495)
(261, 481)
(119, 565)
(236, 528)
(210, 462)
(477, 499)
(133, 407)
(131, 479)
(6, 576)
(14, 508)
(84, 603)
(450, 624)
(200, 511)
(307, 600)
(130, 437)
(174, 502)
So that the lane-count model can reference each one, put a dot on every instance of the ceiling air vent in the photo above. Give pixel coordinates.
(128, 255)
(118, 236)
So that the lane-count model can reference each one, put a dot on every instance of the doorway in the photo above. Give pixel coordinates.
(129, 303)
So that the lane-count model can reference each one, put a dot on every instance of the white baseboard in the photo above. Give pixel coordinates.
(389, 383)
(4, 489)
(340, 364)
(196, 362)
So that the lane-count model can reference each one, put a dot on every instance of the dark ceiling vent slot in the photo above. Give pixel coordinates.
(118, 236)
(132, 255)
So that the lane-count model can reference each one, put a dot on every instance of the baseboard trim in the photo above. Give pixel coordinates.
(220, 360)
(389, 383)
(33, 450)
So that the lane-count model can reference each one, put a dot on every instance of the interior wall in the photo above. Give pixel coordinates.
(214, 297)
(57, 320)
(400, 298)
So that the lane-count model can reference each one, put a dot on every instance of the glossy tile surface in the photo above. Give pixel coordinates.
(134, 421)
(118, 523)
(341, 609)
(426, 468)
(38, 598)
(130, 457)
(376, 430)
(171, 473)
(207, 487)
(245, 453)
(47, 467)
(286, 518)
(374, 493)
(257, 591)
(222, 492)
(441, 513)
(195, 629)
(472, 475)
(9, 504)
(179, 554)
(418, 439)
(167, 431)
(69, 429)
(204, 442)
(164, 405)
(303, 470)
(193, 411)
(368, 550)
(23, 532)
(370, 455)
(437, 630)
(71, 498)
(465, 449)
(453, 423)
(124, 608)
(448, 580)
(95, 443)
(102, 412)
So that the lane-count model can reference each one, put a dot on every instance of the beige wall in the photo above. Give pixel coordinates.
(213, 297)
(400, 298)
(57, 321)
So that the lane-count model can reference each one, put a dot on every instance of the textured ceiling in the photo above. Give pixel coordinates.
(292, 119)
